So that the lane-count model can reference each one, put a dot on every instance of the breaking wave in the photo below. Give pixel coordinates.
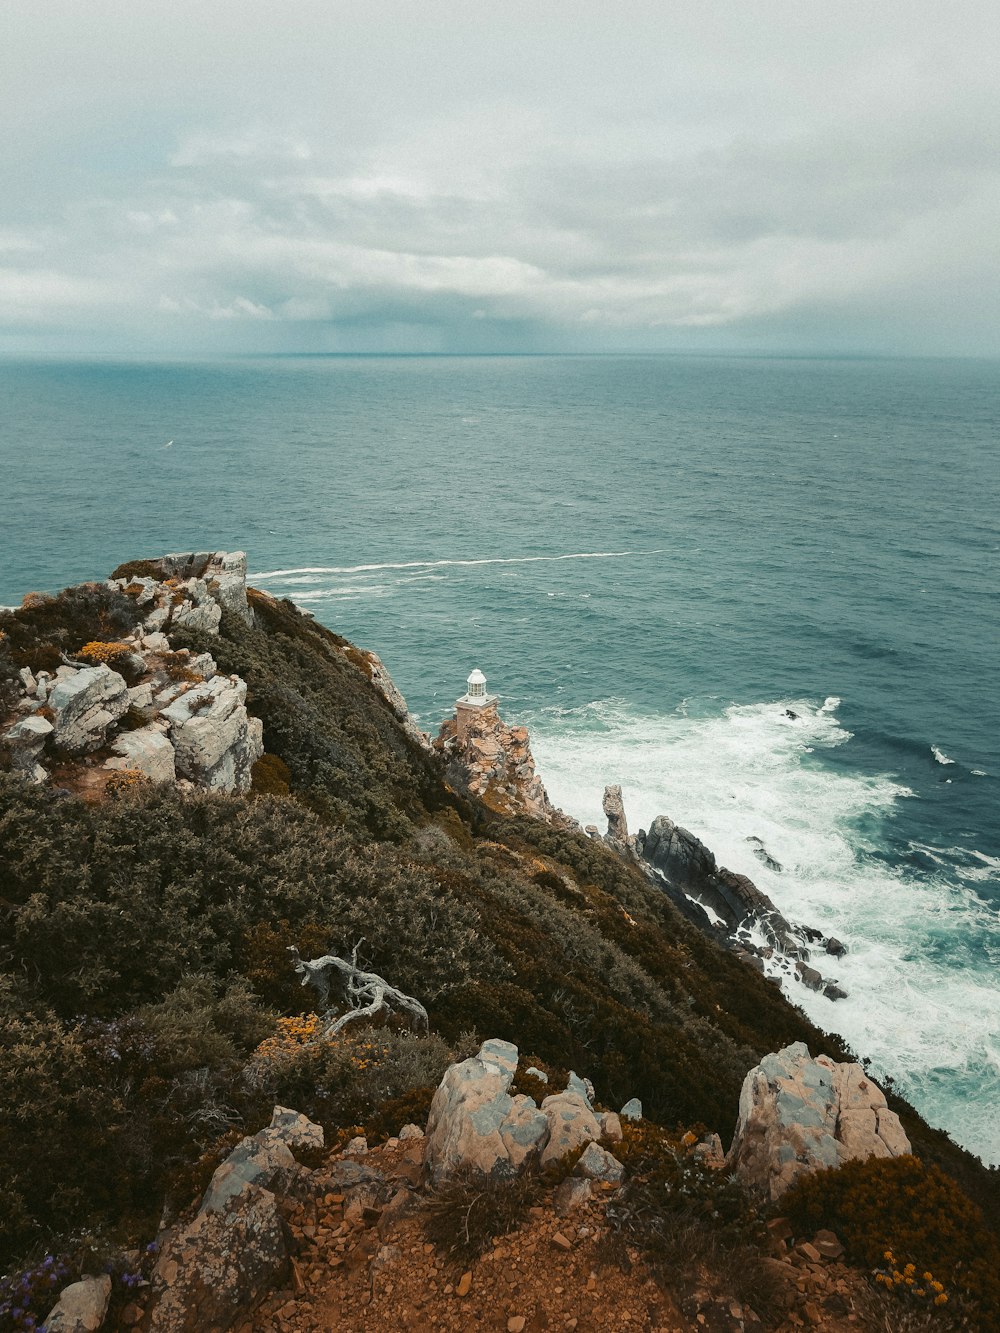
(924, 946)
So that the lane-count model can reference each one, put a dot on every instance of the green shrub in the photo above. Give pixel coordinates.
(912, 1210)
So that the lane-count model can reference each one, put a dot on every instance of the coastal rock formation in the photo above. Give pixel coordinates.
(389, 691)
(86, 703)
(724, 904)
(494, 762)
(798, 1115)
(215, 739)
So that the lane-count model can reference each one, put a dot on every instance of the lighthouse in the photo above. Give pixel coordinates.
(474, 702)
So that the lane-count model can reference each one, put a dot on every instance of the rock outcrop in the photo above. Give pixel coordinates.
(222, 1262)
(167, 715)
(799, 1115)
(494, 762)
(215, 740)
(476, 1125)
(728, 906)
(86, 703)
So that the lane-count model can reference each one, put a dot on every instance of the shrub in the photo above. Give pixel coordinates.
(694, 1225)
(345, 1080)
(465, 1212)
(42, 629)
(270, 776)
(911, 1210)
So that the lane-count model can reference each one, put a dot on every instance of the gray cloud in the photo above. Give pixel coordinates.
(450, 178)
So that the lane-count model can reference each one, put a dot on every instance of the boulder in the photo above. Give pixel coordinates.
(571, 1122)
(215, 739)
(226, 576)
(475, 1124)
(25, 741)
(220, 1265)
(611, 1126)
(596, 1163)
(632, 1110)
(87, 704)
(147, 751)
(798, 1115)
(263, 1159)
(410, 1132)
(81, 1307)
(572, 1193)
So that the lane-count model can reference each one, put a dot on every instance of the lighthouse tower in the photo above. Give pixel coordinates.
(473, 703)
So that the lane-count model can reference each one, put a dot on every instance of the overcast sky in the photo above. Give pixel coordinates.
(248, 175)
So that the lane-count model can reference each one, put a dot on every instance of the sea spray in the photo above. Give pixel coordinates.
(924, 999)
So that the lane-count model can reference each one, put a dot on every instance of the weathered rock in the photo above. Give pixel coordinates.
(571, 1122)
(145, 750)
(226, 576)
(475, 1124)
(410, 1132)
(572, 1193)
(25, 741)
(81, 1307)
(799, 1115)
(356, 1147)
(295, 1129)
(611, 1126)
(87, 704)
(386, 686)
(632, 1110)
(494, 762)
(220, 1265)
(596, 1163)
(762, 854)
(263, 1159)
(617, 836)
(215, 739)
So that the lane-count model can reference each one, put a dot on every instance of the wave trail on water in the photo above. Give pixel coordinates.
(940, 755)
(296, 574)
(923, 962)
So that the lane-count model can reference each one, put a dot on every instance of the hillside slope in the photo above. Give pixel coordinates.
(145, 933)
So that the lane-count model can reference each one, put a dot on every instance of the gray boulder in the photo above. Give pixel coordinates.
(263, 1159)
(147, 751)
(82, 1306)
(596, 1163)
(475, 1124)
(571, 1123)
(87, 704)
(220, 1265)
(215, 739)
(799, 1115)
(25, 741)
(632, 1110)
(617, 836)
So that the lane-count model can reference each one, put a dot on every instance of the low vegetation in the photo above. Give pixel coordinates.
(148, 1012)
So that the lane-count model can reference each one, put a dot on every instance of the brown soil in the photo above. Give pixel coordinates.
(362, 1268)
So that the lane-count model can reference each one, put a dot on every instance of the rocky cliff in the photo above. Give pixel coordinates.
(493, 761)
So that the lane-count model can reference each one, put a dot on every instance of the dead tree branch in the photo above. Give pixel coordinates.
(368, 995)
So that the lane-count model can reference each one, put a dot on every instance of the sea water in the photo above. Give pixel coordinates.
(655, 560)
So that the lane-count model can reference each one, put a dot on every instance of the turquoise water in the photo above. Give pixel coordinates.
(651, 558)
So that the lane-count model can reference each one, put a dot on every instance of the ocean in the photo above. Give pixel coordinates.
(652, 559)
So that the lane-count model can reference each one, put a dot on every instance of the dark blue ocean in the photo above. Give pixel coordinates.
(652, 558)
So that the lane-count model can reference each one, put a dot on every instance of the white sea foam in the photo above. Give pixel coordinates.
(940, 755)
(300, 574)
(924, 947)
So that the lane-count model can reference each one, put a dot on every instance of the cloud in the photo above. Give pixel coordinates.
(680, 181)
